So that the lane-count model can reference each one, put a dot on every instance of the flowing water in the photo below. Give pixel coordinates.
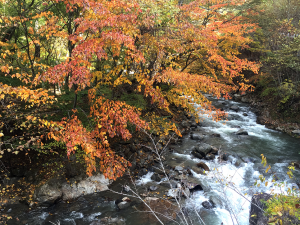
(230, 184)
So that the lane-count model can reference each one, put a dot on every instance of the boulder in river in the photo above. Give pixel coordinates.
(257, 216)
(197, 137)
(203, 166)
(234, 108)
(192, 186)
(297, 132)
(207, 205)
(241, 132)
(210, 156)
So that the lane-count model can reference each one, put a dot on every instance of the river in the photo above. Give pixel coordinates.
(231, 182)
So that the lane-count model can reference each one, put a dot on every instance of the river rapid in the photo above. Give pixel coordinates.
(230, 183)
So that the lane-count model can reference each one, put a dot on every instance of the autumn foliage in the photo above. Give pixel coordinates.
(89, 45)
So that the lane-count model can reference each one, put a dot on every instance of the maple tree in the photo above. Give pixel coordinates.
(90, 45)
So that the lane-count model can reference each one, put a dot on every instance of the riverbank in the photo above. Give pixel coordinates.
(265, 111)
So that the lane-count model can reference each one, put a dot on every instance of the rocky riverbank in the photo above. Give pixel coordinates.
(264, 111)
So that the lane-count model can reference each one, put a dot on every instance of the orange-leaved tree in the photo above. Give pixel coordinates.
(166, 52)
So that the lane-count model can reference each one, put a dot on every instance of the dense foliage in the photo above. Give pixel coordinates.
(110, 54)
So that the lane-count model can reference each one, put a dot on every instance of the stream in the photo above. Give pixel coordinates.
(231, 182)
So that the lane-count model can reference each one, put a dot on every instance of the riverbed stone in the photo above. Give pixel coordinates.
(197, 154)
(178, 168)
(257, 216)
(207, 205)
(197, 137)
(297, 132)
(241, 132)
(210, 156)
(198, 170)
(234, 108)
(203, 166)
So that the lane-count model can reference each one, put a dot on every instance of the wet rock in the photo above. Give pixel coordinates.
(109, 221)
(49, 192)
(96, 183)
(198, 170)
(257, 216)
(181, 177)
(241, 132)
(234, 108)
(194, 124)
(210, 156)
(192, 186)
(203, 166)
(172, 183)
(216, 135)
(156, 177)
(215, 201)
(214, 150)
(237, 97)
(207, 205)
(245, 114)
(224, 156)
(197, 137)
(153, 188)
(197, 154)
(123, 205)
(185, 124)
(204, 148)
(238, 162)
(248, 160)
(178, 168)
(297, 132)
(245, 99)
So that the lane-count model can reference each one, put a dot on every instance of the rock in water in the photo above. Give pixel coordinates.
(203, 166)
(207, 205)
(197, 137)
(234, 108)
(241, 132)
(257, 216)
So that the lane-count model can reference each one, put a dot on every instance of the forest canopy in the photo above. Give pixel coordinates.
(82, 72)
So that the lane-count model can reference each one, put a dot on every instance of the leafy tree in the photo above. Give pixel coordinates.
(162, 50)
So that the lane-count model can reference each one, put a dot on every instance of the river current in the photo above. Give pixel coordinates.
(230, 182)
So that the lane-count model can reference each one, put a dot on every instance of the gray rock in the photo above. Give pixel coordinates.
(96, 183)
(123, 205)
(237, 97)
(178, 168)
(216, 201)
(297, 132)
(257, 215)
(197, 170)
(197, 154)
(167, 184)
(248, 159)
(216, 135)
(207, 205)
(204, 148)
(241, 132)
(49, 192)
(185, 124)
(156, 177)
(153, 188)
(234, 108)
(245, 99)
(210, 156)
(192, 186)
(197, 137)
